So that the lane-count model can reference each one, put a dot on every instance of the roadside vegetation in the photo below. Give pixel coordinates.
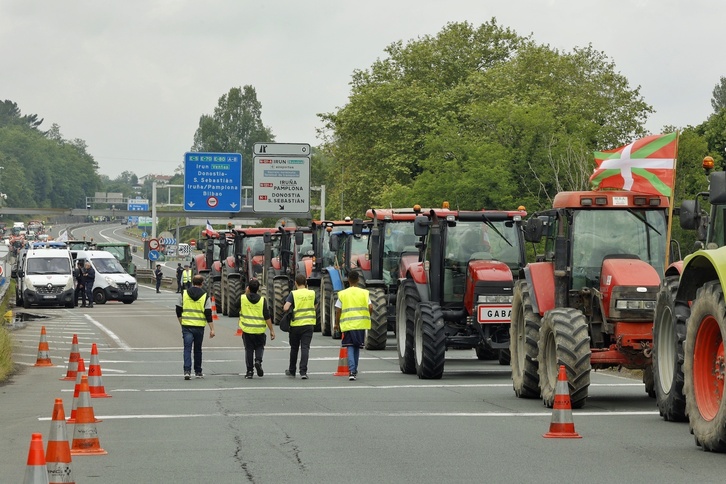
(6, 342)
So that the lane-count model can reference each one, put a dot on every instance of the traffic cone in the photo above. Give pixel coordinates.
(36, 472)
(95, 382)
(76, 392)
(58, 451)
(73, 360)
(85, 434)
(215, 317)
(561, 425)
(43, 351)
(343, 369)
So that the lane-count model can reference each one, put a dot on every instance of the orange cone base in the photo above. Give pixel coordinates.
(567, 432)
(89, 451)
(99, 393)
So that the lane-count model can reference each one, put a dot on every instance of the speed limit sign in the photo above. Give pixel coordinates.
(153, 244)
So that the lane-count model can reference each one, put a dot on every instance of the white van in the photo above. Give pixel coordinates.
(112, 282)
(45, 278)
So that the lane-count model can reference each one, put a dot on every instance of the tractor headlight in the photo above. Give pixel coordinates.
(495, 299)
(626, 304)
(633, 303)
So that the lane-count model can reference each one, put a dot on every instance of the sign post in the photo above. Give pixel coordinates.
(281, 178)
(212, 182)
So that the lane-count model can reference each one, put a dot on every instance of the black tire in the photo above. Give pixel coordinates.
(217, 292)
(430, 341)
(282, 289)
(316, 290)
(69, 304)
(235, 292)
(125, 301)
(485, 353)
(99, 297)
(523, 343)
(564, 340)
(649, 381)
(18, 300)
(223, 295)
(26, 304)
(326, 318)
(331, 308)
(505, 357)
(705, 406)
(407, 299)
(207, 286)
(669, 334)
(377, 336)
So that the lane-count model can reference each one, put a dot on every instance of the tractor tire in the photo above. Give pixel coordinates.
(407, 299)
(505, 357)
(703, 368)
(564, 340)
(377, 336)
(430, 341)
(327, 319)
(223, 292)
(649, 381)
(99, 297)
(317, 327)
(523, 339)
(235, 292)
(282, 289)
(331, 308)
(207, 282)
(217, 292)
(669, 334)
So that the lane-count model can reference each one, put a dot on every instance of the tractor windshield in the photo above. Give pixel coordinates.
(599, 233)
(306, 248)
(398, 239)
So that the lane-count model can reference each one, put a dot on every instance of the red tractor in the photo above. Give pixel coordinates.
(244, 261)
(459, 293)
(208, 264)
(588, 301)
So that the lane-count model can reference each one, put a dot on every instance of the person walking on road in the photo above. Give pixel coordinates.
(179, 271)
(89, 276)
(254, 315)
(303, 303)
(159, 276)
(186, 277)
(80, 290)
(194, 311)
(353, 317)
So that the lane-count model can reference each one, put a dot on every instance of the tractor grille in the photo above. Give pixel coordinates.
(49, 289)
(126, 286)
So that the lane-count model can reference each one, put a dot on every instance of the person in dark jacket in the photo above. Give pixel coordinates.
(254, 319)
(89, 276)
(159, 275)
(80, 290)
(194, 311)
(179, 272)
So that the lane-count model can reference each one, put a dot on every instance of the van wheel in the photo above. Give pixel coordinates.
(99, 297)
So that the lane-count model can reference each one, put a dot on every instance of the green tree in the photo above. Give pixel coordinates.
(235, 127)
(10, 114)
(718, 99)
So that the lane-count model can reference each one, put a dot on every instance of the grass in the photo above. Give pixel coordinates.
(6, 342)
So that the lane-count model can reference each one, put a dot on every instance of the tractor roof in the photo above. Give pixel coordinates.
(609, 199)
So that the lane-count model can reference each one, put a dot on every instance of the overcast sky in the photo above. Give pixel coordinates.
(132, 77)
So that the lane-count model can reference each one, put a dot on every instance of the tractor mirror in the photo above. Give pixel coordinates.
(298, 237)
(357, 226)
(421, 225)
(534, 229)
(717, 188)
(267, 237)
(689, 214)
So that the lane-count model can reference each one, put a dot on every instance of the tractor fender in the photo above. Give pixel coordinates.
(364, 264)
(541, 280)
(305, 266)
(217, 267)
(335, 278)
(699, 268)
(417, 273)
(675, 269)
(229, 262)
(200, 263)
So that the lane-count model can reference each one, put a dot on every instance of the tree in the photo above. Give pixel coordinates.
(235, 127)
(718, 99)
(10, 114)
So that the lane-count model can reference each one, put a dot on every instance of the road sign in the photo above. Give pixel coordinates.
(144, 234)
(168, 240)
(212, 182)
(136, 205)
(154, 255)
(281, 178)
(153, 244)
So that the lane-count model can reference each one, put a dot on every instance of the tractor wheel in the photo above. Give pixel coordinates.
(327, 319)
(704, 369)
(223, 292)
(262, 291)
(99, 297)
(505, 357)
(430, 341)
(669, 333)
(485, 353)
(331, 311)
(207, 282)
(317, 327)
(649, 381)
(282, 289)
(407, 299)
(378, 334)
(217, 292)
(523, 338)
(235, 292)
(564, 340)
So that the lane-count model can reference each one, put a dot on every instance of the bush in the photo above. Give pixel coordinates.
(6, 342)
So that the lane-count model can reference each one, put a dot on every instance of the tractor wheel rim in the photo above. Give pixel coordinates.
(666, 348)
(520, 341)
(550, 358)
(708, 368)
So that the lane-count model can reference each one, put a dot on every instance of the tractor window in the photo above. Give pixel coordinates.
(716, 233)
(598, 233)
(399, 239)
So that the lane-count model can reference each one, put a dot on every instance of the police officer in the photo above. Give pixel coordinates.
(254, 317)
(303, 302)
(179, 271)
(89, 276)
(80, 290)
(353, 316)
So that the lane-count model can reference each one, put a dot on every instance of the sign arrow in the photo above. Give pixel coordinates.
(282, 207)
(191, 204)
(233, 205)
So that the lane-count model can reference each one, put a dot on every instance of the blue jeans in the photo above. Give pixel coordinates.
(353, 355)
(193, 336)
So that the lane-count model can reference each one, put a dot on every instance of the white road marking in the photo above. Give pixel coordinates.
(121, 343)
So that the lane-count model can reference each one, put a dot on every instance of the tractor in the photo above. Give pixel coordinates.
(459, 293)
(214, 247)
(588, 301)
(244, 261)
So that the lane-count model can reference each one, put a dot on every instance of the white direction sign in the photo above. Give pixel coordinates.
(281, 178)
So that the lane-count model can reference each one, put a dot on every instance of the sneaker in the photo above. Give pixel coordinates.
(304, 376)
(258, 367)
(351, 377)
(199, 375)
(249, 375)
(289, 373)
(187, 375)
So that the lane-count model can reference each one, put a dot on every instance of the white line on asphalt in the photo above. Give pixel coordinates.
(121, 343)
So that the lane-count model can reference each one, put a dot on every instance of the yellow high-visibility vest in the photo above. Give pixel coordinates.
(252, 316)
(304, 311)
(193, 311)
(187, 276)
(354, 313)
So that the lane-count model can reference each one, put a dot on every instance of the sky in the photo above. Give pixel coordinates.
(132, 78)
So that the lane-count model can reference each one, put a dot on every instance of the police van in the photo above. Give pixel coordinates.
(45, 278)
(112, 282)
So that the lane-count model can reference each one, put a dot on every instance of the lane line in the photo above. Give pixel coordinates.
(121, 343)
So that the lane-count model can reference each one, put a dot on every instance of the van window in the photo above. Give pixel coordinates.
(48, 266)
(108, 265)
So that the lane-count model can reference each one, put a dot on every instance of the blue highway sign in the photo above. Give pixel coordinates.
(212, 182)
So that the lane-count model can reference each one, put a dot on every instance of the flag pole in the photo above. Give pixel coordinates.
(671, 203)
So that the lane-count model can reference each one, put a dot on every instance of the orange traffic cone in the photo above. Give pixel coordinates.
(215, 317)
(73, 360)
(43, 351)
(58, 451)
(76, 392)
(95, 382)
(343, 369)
(85, 434)
(36, 472)
(561, 425)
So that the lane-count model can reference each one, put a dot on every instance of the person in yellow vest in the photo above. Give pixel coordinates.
(194, 311)
(254, 317)
(303, 303)
(353, 317)
(186, 277)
